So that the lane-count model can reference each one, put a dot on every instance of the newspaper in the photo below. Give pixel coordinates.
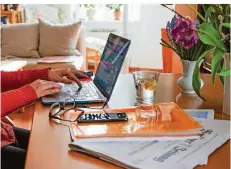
(200, 113)
(182, 154)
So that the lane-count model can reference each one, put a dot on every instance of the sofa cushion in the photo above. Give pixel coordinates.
(58, 39)
(19, 40)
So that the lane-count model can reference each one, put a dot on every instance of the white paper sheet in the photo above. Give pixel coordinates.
(183, 154)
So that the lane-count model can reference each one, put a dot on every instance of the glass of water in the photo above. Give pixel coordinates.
(145, 84)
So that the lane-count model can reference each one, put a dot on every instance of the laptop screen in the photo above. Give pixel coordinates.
(110, 64)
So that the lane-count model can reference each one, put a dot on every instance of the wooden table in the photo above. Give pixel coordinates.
(12, 65)
(48, 147)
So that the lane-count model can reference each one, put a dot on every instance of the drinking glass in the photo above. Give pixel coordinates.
(146, 84)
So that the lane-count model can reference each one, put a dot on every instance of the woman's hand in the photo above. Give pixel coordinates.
(57, 75)
(43, 88)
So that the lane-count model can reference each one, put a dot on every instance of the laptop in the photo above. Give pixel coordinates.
(99, 89)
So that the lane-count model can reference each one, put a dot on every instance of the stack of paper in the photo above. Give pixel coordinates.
(181, 154)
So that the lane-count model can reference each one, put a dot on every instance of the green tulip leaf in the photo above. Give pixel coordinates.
(225, 73)
(208, 27)
(221, 69)
(227, 25)
(207, 13)
(210, 40)
(196, 75)
(210, 36)
(217, 58)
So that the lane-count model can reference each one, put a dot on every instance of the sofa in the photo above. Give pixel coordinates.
(36, 41)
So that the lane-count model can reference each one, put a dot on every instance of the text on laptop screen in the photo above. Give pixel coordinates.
(110, 64)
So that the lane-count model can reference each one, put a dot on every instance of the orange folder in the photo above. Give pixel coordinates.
(165, 120)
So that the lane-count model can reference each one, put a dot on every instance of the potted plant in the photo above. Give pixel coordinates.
(116, 8)
(90, 11)
(215, 31)
(187, 45)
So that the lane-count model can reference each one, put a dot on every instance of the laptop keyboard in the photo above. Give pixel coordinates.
(88, 91)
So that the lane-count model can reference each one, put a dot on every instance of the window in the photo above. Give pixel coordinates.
(99, 12)
(134, 12)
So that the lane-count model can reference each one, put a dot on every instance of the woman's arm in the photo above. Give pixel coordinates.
(15, 99)
(18, 98)
(14, 80)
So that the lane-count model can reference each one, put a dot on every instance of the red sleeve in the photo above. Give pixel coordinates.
(14, 80)
(16, 99)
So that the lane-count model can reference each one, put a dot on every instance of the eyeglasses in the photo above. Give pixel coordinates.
(57, 109)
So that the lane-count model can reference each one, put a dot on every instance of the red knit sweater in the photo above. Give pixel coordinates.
(16, 93)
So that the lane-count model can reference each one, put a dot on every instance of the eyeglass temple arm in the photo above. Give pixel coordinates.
(84, 106)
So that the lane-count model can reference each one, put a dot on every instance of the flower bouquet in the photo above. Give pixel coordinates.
(214, 36)
(184, 40)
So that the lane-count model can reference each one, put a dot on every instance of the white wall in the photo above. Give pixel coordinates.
(145, 50)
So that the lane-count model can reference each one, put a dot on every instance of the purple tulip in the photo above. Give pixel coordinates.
(183, 33)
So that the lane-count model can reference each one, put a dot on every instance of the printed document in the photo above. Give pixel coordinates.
(181, 154)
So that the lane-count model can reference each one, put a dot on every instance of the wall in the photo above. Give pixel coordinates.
(184, 10)
(145, 50)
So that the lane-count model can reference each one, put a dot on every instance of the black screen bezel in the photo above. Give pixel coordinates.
(95, 82)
